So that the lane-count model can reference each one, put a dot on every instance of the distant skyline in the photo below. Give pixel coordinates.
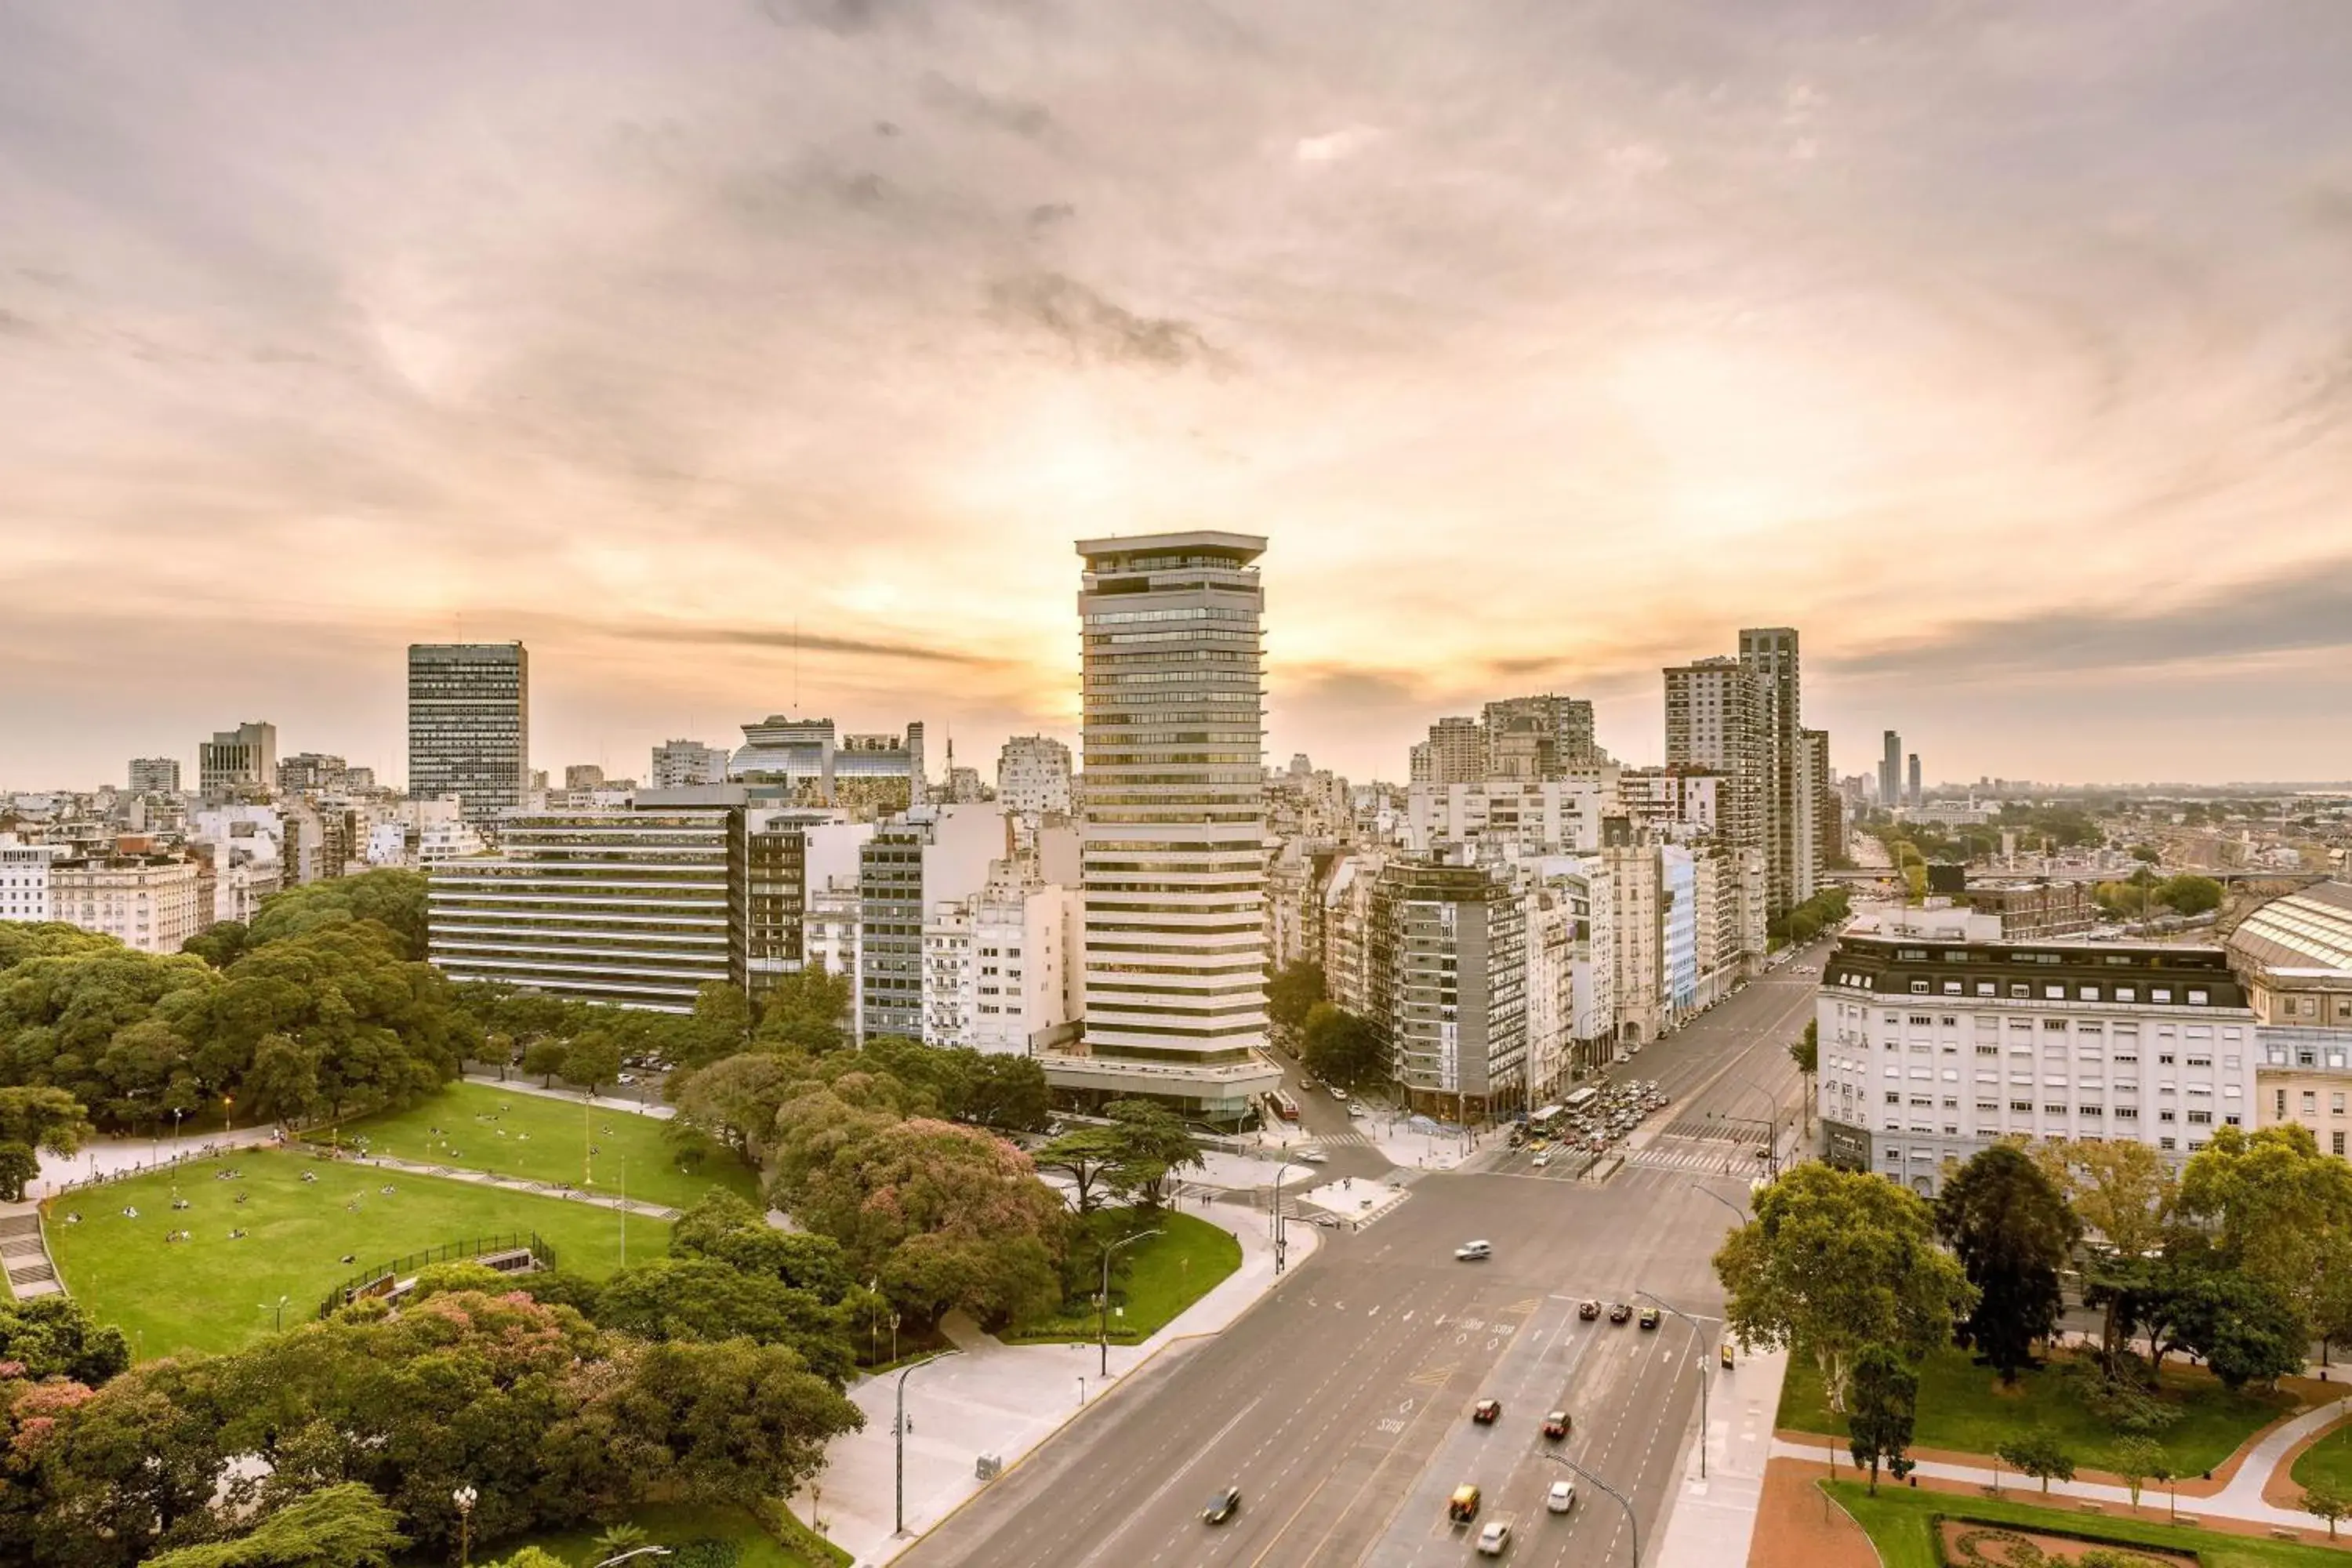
(2002, 350)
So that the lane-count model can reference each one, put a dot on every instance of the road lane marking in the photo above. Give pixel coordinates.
(1198, 1454)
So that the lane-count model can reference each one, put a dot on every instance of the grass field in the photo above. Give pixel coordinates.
(481, 1127)
(2329, 1459)
(1164, 1276)
(1962, 1407)
(207, 1294)
(1900, 1522)
(674, 1527)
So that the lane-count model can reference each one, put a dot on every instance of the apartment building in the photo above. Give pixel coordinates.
(469, 725)
(155, 775)
(1532, 817)
(146, 901)
(240, 763)
(2037, 910)
(678, 764)
(25, 878)
(1033, 777)
(311, 772)
(1447, 965)
(996, 966)
(911, 865)
(812, 762)
(1931, 1049)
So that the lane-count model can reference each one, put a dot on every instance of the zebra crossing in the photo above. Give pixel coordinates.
(1338, 1141)
(1699, 1159)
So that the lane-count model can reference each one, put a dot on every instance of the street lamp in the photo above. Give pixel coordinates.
(899, 1437)
(464, 1497)
(1630, 1522)
(1736, 1212)
(278, 1307)
(1102, 1303)
(1281, 1241)
(1698, 1334)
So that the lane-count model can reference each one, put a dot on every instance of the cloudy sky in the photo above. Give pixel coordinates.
(2004, 349)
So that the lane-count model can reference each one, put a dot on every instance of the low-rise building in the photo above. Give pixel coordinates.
(2035, 910)
(25, 878)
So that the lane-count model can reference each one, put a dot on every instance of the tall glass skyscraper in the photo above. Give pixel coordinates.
(469, 724)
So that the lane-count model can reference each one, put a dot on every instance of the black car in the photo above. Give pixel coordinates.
(1223, 1506)
(1620, 1312)
(1587, 1311)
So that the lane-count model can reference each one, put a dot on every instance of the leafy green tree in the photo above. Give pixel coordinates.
(219, 946)
(2136, 1460)
(2326, 1501)
(47, 1119)
(593, 1061)
(2009, 1225)
(281, 1084)
(1152, 1144)
(2125, 1195)
(54, 1336)
(733, 1422)
(2245, 1327)
(1009, 1093)
(807, 1012)
(1339, 1047)
(722, 1021)
(546, 1057)
(1292, 992)
(18, 1165)
(392, 899)
(1835, 1261)
(341, 1526)
(1882, 1399)
(1805, 1050)
(2038, 1453)
(616, 1539)
(1091, 1157)
(704, 1298)
(2282, 1209)
(734, 1100)
(722, 1226)
(2189, 894)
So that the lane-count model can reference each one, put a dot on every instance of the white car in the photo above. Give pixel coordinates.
(1474, 1251)
(1540, 1161)
(1310, 1156)
(1495, 1539)
(1561, 1497)
(1358, 1113)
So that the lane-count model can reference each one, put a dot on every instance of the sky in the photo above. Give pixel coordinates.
(768, 356)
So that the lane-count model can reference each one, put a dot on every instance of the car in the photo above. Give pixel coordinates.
(1649, 1317)
(1338, 1094)
(1555, 1425)
(1463, 1506)
(1561, 1497)
(1486, 1411)
(1495, 1539)
(1620, 1312)
(1324, 1221)
(1474, 1251)
(1223, 1506)
(1358, 1113)
(1307, 1084)
(1588, 1310)
(626, 1077)
(1540, 1161)
(1310, 1156)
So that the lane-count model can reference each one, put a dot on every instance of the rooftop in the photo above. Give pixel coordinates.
(2303, 931)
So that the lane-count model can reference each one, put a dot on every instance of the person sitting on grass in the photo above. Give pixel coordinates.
(385, 1189)
(310, 1175)
(243, 1197)
(129, 1211)
(73, 1217)
(181, 1203)
(236, 1236)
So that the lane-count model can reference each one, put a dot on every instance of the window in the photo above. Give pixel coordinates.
(1922, 1020)
(1987, 1050)
(2128, 1114)
(2024, 1107)
(2126, 993)
(2280, 1109)
(2087, 993)
(2310, 1102)
(2053, 1110)
(1920, 988)
(2019, 988)
(2054, 1024)
(2335, 1103)
(1952, 988)
(2336, 1144)
(2167, 1144)
(1893, 1098)
(2053, 994)
(1985, 988)
(2164, 1059)
(2160, 993)
(2165, 1116)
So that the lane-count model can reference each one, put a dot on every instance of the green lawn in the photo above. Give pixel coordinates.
(1900, 1522)
(1164, 1275)
(666, 1525)
(2329, 1459)
(205, 1294)
(483, 1128)
(1962, 1407)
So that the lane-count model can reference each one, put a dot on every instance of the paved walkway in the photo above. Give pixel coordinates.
(1001, 1399)
(118, 1156)
(516, 1185)
(1711, 1523)
(520, 1085)
(2241, 1499)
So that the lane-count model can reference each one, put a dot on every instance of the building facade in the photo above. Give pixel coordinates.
(240, 763)
(25, 878)
(1033, 777)
(1714, 726)
(1174, 873)
(147, 901)
(310, 772)
(1890, 771)
(1791, 855)
(155, 775)
(630, 909)
(678, 763)
(1932, 1050)
(469, 725)
(1447, 964)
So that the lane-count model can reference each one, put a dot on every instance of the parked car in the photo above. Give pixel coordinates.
(1555, 1425)
(1486, 1411)
(1649, 1317)
(1620, 1312)
(1223, 1506)
(1338, 1094)
(1588, 1310)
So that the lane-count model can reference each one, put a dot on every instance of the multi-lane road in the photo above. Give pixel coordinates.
(1340, 1404)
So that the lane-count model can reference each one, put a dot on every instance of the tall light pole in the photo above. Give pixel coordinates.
(900, 1437)
(464, 1497)
(1102, 1303)
(1736, 1212)
(1698, 1335)
(1281, 1244)
(1630, 1522)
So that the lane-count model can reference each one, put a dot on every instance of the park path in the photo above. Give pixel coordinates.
(515, 1185)
(490, 1078)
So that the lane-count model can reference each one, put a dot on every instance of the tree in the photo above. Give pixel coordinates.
(2125, 1195)
(47, 1119)
(1835, 1261)
(2137, 1460)
(2038, 1454)
(2326, 1501)
(341, 1526)
(1150, 1143)
(705, 1299)
(2011, 1228)
(616, 1539)
(1090, 1156)
(733, 1422)
(394, 900)
(735, 1101)
(593, 1059)
(2244, 1326)
(1340, 1047)
(2189, 894)
(219, 945)
(2282, 1210)
(1882, 1398)
(546, 1057)
(722, 1021)
(1805, 1050)
(18, 1165)
(806, 1012)
(1009, 1093)
(54, 1336)
(1292, 992)
(282, 1084)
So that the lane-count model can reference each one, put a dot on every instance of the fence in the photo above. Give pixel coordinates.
(380, 1280)
(148, 1167)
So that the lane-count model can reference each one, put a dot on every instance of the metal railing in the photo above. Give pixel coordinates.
(371, 1281)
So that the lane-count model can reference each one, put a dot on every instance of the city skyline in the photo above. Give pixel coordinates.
(778, 353)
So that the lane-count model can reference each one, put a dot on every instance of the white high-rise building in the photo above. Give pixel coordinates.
(1792, 857)
(677, 764)
(1175, 818)
(1033, 777)
(155, 775)
(25, 878)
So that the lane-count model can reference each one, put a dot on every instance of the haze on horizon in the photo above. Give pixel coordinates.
(2003, 349)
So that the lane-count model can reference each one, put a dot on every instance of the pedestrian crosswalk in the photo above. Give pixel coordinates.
(1706, 1159)
(1342, 1140)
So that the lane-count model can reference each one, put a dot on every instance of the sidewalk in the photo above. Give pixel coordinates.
(1711, 1524)
(111, 1156)
(2241, 1499)
(1001, 1399)
(513, 1184)
(518, 1085)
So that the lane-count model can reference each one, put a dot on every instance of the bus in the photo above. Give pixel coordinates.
(1540, 1122)
(1581, 1098)
(1285, 1107)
